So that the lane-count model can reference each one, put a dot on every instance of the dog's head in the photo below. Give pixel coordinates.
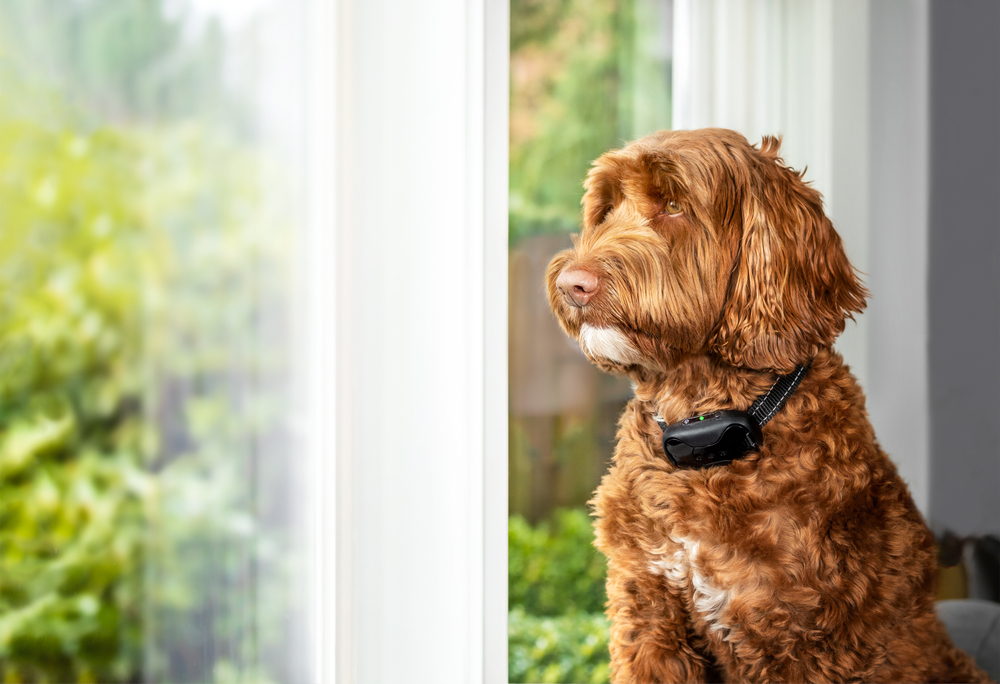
(697, 243)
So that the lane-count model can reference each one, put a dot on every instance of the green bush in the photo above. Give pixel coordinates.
(554, 568)
(556, 629)
(570, 648)
(71, 513)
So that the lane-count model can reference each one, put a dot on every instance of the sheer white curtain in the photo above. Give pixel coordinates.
(845, 83)
(767, 67)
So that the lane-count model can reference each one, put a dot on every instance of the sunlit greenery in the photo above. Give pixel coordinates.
(567, 648)
(554, 567)
(139, 257)
(71, 476)
(586, 76)
(556, 629)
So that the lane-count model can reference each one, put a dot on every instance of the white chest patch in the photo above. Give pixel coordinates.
(683, 567)
(607, 343)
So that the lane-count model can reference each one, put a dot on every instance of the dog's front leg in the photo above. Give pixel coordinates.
(649, 635)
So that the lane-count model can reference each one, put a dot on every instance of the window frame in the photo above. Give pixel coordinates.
(441, 99)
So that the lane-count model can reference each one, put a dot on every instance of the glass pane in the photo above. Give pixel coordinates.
(149, 152)
(586, 76)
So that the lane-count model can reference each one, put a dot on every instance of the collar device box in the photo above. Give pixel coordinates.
(715, 438)
(721, 437)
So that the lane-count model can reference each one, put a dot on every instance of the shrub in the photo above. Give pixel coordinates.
(554, 568)
(569, 648)
(144, 304)
(556, 629)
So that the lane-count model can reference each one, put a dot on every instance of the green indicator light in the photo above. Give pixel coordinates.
(701, 417)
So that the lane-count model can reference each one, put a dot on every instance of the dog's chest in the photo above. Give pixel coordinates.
(685, 570)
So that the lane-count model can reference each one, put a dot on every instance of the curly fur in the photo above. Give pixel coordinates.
(806, 561)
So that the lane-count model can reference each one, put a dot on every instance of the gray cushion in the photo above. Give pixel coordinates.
(974, 626)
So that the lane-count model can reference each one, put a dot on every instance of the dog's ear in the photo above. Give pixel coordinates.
(792, 287)
(601, 194)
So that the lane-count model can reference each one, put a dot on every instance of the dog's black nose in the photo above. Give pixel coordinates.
(578, 285)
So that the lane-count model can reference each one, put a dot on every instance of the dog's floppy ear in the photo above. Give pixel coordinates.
(601, 194)
(792, 287)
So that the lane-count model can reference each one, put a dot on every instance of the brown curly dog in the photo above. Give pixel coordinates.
(705, 269)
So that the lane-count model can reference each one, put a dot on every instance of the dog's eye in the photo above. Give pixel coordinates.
(672, 208)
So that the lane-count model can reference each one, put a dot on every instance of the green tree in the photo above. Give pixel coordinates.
(120, 61)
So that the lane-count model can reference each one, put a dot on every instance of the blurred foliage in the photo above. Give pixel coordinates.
(554, 568)
(569, 648)
(139, 266)
(72, 482)
(556, 630)
(215, 396)
(120, 61)
(586, 76)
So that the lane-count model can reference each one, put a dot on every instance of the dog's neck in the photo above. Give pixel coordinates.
(698, 385)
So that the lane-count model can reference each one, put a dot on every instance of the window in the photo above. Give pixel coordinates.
(335, 175)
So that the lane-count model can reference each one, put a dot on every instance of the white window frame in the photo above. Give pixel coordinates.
(405, 265)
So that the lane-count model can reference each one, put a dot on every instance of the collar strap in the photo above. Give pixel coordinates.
(766, 406)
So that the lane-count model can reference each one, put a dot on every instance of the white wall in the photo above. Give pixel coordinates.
(898, 203)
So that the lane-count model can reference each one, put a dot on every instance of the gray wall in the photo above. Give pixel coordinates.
(964, 265)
